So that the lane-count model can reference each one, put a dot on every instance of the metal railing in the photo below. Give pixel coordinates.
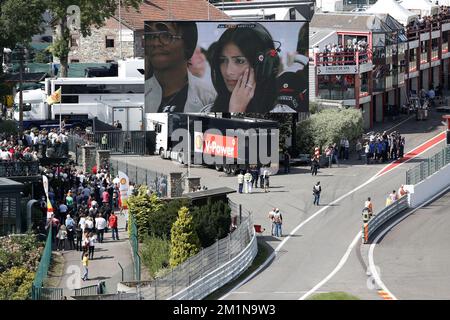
(74, 145)
(134, 239)
(429, 166)
(87, 291)
(123, 142)
(155, 181)
(384, 215)
(19, 168)
(210, 269)
(38, 292)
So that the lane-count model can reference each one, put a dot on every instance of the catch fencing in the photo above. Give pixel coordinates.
(38, 292)
(427, 167)
(211, 268)
(155, 181)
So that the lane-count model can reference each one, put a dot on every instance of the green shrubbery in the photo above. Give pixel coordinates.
(155, 254)
(157, 221)
(8, 127)
(19, 260)
(212, 222)
(184, 242)
(327, 127)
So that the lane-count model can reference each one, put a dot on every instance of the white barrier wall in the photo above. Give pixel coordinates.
(429, 187)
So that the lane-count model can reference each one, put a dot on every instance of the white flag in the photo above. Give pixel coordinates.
(124, 185)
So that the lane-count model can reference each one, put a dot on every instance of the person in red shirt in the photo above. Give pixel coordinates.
(105, 197)
(113, 225)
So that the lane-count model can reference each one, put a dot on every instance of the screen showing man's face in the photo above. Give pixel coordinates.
(164, 45)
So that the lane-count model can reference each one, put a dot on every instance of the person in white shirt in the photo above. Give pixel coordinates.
(100, 225)
(248, 182)
(240, 178)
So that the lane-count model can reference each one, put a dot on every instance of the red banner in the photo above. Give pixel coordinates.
(221, 146)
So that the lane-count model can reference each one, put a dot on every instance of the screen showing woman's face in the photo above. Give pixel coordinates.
(233, 64)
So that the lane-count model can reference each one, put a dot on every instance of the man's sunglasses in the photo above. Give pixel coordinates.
(164, 37)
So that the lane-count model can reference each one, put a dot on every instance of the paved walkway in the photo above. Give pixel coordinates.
(104, 266)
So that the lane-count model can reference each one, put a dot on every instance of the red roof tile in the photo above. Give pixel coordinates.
(170, 10)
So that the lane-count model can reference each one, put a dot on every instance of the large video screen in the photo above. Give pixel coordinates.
(226, 66)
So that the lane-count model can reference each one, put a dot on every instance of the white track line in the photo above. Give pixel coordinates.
(338, 267)
(278, 248)
(373, 270)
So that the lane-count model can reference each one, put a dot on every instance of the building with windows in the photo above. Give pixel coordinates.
(122, 35)
(395, 56)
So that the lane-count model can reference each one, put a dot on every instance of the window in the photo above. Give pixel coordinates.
(69, 99)
(109, 61)
(74, 60)
(73, 41)
(109, 42)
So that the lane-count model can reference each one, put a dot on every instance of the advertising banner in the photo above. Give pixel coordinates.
(124, 186)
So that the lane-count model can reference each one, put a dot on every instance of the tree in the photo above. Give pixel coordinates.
(93, 13)
(19, 21)
(184, 240)
(212, 221)
(329, 126)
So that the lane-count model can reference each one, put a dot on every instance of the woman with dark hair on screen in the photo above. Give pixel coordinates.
(244, 65)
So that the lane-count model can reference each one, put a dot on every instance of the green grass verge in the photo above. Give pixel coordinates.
(55, 272)
(333, 296)
(263, 253)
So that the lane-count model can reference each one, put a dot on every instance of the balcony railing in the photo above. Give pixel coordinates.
(444, 47)
(336, 94)
(19, 168)
(424, 57)
(343, 58)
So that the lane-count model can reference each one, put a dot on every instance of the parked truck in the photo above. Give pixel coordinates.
(235, 143)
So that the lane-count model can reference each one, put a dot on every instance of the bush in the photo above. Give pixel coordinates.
(15, 284)
(20, 251)
(161, 221)
(327, 127)
(141, 207)
(155, 254)
(184, 241)
(8, 126)
(212, 222)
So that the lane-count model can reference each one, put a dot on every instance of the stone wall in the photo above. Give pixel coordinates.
(103, 159)
(92, 49)
(175, 185)
(88, 158)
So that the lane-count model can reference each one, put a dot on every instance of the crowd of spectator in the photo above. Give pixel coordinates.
(338, 54)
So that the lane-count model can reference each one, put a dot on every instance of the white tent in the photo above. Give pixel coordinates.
(422, 7)
(444, 2)
(392, 8)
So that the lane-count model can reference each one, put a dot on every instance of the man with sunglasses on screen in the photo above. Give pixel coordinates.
(169, 86)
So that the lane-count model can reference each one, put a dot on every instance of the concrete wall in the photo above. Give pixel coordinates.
(366, 115)
(415, 84)
(429, 187)
(425, 79)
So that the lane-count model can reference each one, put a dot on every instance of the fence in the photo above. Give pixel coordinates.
(210, 269)
(427, 167)
(135, 247)
(123, 142)
(91, 290)
(37, 290)
(155, 181)
(384, 215)
(19, 168)
(74, 145)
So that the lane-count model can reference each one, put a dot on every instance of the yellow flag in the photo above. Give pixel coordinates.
(54, 97)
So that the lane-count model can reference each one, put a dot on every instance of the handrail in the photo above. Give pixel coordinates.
(384, 215)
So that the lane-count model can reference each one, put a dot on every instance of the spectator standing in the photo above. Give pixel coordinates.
(61, 238)
(368, 204)
(100, 225)
(317, 189)
(286, 162)
(113, 225)
(85, 262)
(240, 178)
(266, 176)
(278, 221)
(70, 226)
(248, 182)
(314, 166)
(272, 223)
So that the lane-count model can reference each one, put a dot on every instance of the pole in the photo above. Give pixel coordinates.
(120, 30)
(21, 52)
(189, 149)
(60, 113)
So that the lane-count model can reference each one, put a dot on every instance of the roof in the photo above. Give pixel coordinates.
(317, 35)
(209, 193)
(393, 8)
(423, 7)
(169, 10)
(355, 22)
(8, 185)
(26, 77)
